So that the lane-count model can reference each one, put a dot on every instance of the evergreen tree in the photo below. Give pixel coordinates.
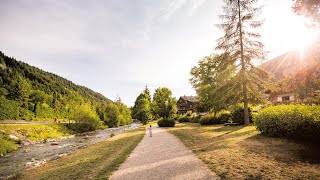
(142, 107)
(241, 41)
(147, 92)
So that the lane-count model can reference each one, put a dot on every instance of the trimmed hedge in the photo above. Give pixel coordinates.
(166, 123)
(290, 121)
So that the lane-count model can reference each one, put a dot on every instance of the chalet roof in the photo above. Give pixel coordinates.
(190, 98)
(281, 93)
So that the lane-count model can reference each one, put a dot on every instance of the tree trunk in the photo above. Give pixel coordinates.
(243, 71)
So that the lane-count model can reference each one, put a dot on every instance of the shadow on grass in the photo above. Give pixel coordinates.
(281, 149)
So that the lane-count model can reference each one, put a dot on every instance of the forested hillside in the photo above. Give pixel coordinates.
(290, 63)
(306, 83)
(29, 93)
(298, 73)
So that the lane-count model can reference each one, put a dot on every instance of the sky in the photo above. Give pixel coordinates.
(117, 47)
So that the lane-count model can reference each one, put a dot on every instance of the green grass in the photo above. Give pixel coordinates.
(94, 162)
(6, 145)
(243, 153)
(36, 132)
(32, 132)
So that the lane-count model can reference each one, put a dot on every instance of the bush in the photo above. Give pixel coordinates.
(223, 117)
(166, 122)
(89, 124)
(182, 119)
(86, 119)
(209, 119)
(6, 146)
(189, 117)
(290, 121)
(237, 115)
(195, 119)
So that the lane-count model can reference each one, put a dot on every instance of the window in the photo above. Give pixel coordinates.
(285, 98)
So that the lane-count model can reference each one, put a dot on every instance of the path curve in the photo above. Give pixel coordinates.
(162, 156)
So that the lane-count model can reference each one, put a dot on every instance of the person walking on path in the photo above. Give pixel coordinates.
(150, 131)
(163, 156)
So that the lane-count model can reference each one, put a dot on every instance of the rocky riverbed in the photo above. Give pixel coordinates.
(33, 155)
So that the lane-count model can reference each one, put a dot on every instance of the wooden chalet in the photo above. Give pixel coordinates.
(187, 103)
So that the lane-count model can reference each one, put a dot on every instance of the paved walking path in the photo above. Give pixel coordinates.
(162, 156)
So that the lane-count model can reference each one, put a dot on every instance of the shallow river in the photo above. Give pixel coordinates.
(32, 155)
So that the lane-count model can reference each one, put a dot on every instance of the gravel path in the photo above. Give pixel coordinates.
(162, 156)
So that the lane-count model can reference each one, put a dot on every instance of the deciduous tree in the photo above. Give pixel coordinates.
(210, 73)
(164, 105)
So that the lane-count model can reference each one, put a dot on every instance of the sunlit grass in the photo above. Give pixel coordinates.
(241, 152)
(95, 162)
(36, 132)
(6, 145)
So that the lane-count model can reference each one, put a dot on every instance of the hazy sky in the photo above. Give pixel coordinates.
(116, 47)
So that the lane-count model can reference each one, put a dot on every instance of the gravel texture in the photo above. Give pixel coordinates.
(162, 156)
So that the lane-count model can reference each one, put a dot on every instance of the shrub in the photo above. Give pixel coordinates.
(189, 117)
(166, 122)
(195, 119)
(209, 119)
(86, 119)
(290, 121)
(237, 115)
(182, 119)
(89, 124)
(6, 146)
(223, 117)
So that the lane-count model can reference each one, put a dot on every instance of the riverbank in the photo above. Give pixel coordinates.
(39, 152)
(97, 161)
(17, 135)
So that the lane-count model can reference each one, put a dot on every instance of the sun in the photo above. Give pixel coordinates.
(286, 33)
(304, 37)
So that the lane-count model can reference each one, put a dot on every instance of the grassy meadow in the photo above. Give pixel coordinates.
(243, 153)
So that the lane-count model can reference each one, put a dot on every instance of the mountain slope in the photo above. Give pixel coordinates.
(27, 92)
(291, 63)
(298, 73)
(288, 64)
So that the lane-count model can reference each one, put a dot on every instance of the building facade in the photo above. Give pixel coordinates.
(282, 98)
(187, 103)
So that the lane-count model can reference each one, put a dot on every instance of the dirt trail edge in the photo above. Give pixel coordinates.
(162, 156)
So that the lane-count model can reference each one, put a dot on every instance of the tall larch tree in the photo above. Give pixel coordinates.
(241, 41)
